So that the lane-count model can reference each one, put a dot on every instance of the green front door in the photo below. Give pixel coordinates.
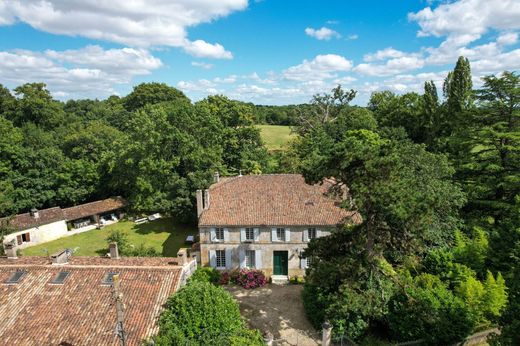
(280, 262)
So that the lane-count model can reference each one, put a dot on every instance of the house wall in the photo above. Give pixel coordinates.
(294, 246)
(41, 234)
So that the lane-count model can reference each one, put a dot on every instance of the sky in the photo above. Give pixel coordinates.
(263, 51)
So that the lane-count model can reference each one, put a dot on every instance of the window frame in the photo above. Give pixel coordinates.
(249, 231)
(219, 230)
(250, 259)
(313, 231)
(220, 258)
(278, 237)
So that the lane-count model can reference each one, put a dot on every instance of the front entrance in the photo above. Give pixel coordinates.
(280, 263)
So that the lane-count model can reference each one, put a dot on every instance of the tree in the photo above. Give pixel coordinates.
(458, 88)
(152, 93)
(432, 121)
(325, 108)
(35, 104)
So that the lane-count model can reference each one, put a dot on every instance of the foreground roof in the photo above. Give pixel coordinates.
(81, 311)
(93, 208)
(273, 200)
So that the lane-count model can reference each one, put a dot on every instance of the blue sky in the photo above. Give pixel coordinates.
(264, 51)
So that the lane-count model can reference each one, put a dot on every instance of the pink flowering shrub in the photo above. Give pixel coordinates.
(251, 278)
(225, 277)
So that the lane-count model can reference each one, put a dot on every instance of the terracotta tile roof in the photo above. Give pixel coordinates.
(25, 221)
(82, 310)
(272, 200)
(93, 208)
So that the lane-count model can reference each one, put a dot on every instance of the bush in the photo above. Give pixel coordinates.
(204, 314)
(428, 310)
(142, 251)
(199, 310)
(121, 238)
(205, 274)
(251, 278)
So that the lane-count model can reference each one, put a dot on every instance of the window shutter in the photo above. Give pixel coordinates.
(242, 234)
(257, 234)
(226, 234)
(287, 234)
(19, 239)
(212, 236)
(28, 236)
(318, 233)
(228, 258)
(305, 235)
(212, 259)
(242, 258)
(258, 259)
(273, 234)
(303, 263)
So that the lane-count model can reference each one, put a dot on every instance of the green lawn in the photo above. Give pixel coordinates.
(275, 136)
(163, 234)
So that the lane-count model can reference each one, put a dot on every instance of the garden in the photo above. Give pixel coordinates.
(163, 237)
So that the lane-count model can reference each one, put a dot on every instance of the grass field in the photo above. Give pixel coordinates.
(163, 234)
(275, 136)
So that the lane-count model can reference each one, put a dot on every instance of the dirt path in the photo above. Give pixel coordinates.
(279, 310)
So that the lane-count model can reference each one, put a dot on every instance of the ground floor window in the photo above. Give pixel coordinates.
(23, 238)
(250, 258)
(221, 258)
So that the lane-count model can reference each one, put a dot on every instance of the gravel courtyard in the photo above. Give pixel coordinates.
(279, 310)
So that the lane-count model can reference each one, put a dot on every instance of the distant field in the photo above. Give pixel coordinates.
(164, 235)
(276, 136)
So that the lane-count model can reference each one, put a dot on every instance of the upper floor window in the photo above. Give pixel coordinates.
(219, 233)
(250, 234)
(311, 233)
(280, 234)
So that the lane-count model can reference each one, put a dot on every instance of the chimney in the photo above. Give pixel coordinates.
(206, 199)
(182, 256)
(216, 177)
(34, 213)
(200, 206)
(10, 250)
(61, 257)
(114, 250)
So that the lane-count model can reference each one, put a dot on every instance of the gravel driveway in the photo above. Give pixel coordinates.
(279, 310)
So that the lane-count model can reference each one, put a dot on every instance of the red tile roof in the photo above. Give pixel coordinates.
(94, 208)
(272, 200)
(82, 310)
(25, 221)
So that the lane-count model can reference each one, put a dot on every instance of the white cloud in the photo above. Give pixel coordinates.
(385, 54)
(226, 80)
(391, 67)
(138, 23)
(202, 49)
(319, 68)
(202, 65)
(322, 34)
(465, 21)
(87, 72)
(353, 37)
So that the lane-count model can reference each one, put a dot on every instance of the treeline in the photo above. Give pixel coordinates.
(437, 183)
(154, 147)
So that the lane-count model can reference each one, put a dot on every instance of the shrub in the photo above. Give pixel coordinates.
(199, 311)
(251, 278)
(205, 274)
(225, 278)
(121, 238)
(428, 310)
(142, 251)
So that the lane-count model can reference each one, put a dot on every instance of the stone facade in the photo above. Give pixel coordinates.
(235, 243)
